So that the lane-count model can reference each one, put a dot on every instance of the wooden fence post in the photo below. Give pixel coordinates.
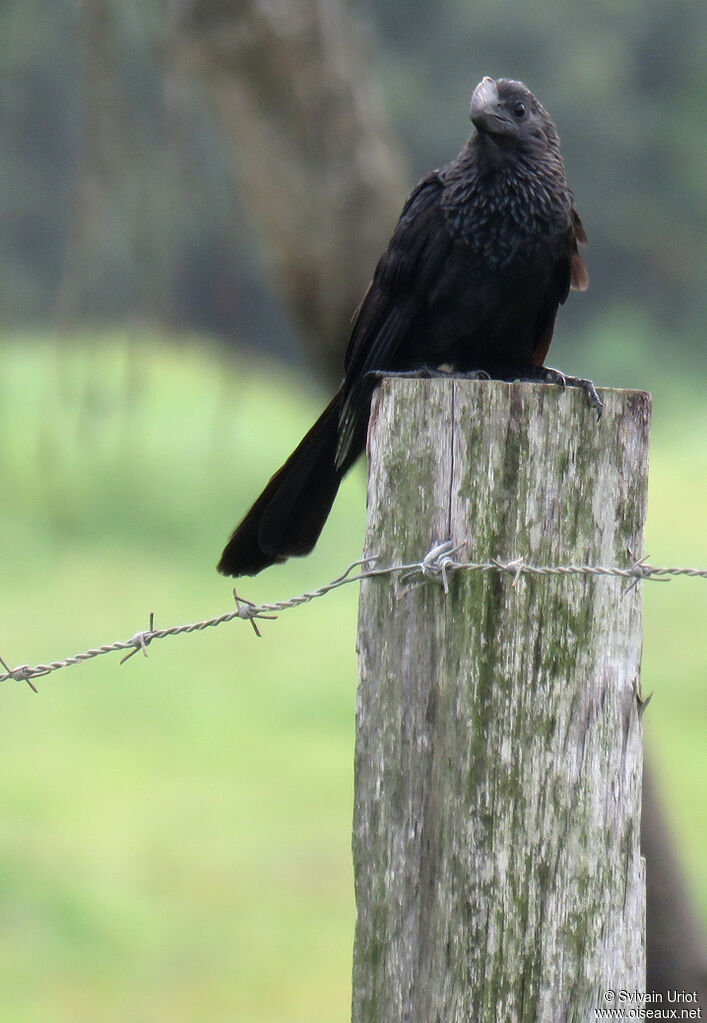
(498, 749)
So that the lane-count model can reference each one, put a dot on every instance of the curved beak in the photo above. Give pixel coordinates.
(484, 114)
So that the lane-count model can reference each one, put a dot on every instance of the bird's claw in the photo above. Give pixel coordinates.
(555, 376)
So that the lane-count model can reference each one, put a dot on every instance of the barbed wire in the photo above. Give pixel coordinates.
(436, 566)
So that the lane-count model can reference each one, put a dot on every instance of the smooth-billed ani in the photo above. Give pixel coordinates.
(483, 254)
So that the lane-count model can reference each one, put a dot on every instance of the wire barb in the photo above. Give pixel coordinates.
(439, 561)
(435, 566)
(515, 568)
(141, 640)
(23, 673)
(639, 570)
(249, 611)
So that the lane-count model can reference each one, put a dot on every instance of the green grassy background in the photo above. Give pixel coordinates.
(175, 832)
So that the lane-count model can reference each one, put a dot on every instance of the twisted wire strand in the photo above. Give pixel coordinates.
(436, 566)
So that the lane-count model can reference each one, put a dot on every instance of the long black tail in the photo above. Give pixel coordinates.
(290, 513)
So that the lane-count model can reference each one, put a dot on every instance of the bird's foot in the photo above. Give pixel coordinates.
(543, 374)
(555, 376)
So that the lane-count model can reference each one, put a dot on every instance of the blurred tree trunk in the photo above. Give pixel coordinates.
(675, 945)
(97, 157)
(321, 170)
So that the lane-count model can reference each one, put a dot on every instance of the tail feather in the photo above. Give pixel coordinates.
(290, 513)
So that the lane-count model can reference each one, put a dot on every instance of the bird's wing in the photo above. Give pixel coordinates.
(401, 282)
(413, 256)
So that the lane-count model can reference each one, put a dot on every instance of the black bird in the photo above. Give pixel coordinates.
(483, 254)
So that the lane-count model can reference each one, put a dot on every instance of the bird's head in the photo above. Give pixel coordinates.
(507, 112)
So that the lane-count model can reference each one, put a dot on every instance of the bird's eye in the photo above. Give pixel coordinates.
(518, 109)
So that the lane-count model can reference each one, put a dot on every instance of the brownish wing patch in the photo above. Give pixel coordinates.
(579, 275)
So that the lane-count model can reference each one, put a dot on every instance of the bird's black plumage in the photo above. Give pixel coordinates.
(483, 254)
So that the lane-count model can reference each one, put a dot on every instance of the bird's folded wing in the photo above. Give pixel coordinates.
(403, 277)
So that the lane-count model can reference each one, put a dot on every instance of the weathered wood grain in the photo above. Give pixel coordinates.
(498, 750)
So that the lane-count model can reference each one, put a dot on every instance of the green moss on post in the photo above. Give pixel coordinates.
(498, 750)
